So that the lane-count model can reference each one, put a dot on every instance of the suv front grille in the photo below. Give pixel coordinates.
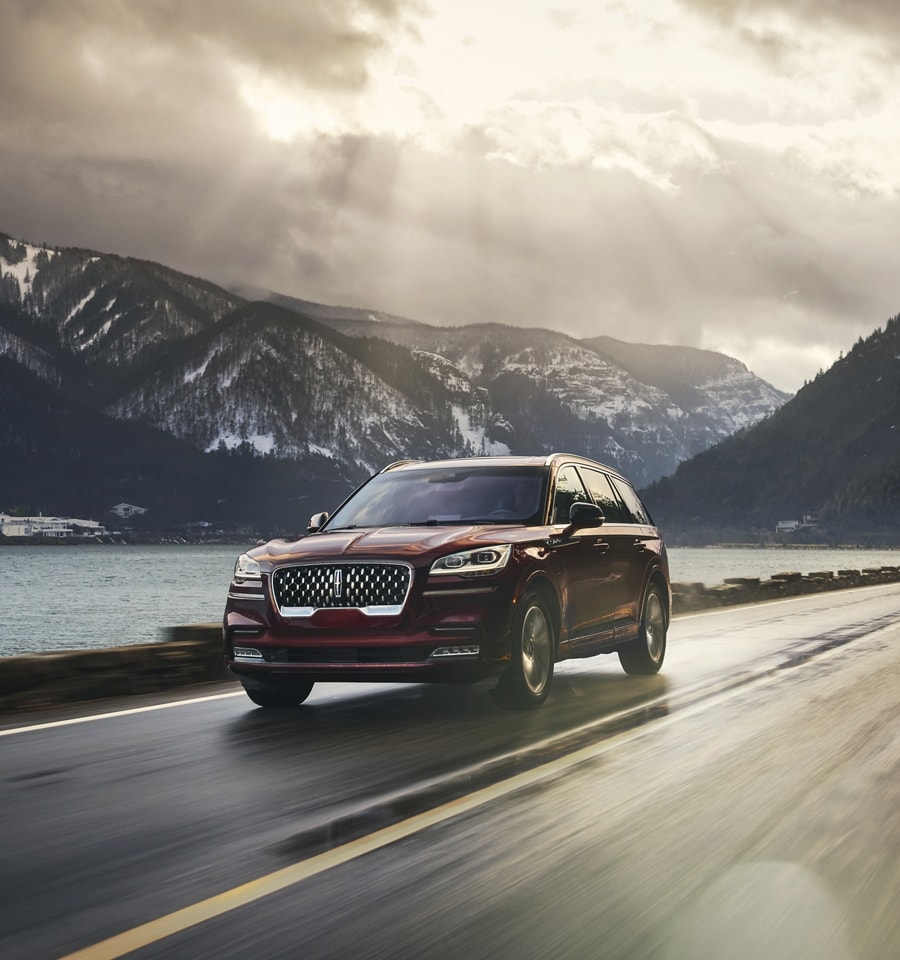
(378, 589)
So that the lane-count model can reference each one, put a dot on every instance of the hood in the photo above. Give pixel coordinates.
(402, 543)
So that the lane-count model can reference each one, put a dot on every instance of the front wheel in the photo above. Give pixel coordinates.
(525, 683)
(264, 695)
(644, 656)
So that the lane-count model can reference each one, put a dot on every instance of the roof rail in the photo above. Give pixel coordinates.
(397, 463)
(556, 453)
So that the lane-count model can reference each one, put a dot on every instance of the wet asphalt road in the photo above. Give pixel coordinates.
(744, 803)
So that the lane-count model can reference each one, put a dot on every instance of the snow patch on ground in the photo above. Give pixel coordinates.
(476, 436)
(102, 332)
(191, 375)
(26, 268)
(261, 443)
(79, 306)
(322, 451)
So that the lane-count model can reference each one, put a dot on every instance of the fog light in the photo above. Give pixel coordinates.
(470, 651)
(247, 653)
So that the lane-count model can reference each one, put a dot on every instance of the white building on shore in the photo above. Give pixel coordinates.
(126, 510)
(52, 528)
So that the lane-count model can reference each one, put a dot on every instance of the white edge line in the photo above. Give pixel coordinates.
(71, 721)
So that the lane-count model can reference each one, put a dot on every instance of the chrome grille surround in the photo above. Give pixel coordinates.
(375, 589)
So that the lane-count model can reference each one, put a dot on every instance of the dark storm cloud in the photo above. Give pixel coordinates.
(325, 43)
(149, 77)
(122, 126)
(880, 18)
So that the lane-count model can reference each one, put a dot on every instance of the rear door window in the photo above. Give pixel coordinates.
(604, 495)
(637, 512)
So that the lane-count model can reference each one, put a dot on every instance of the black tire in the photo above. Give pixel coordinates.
(525, 683)
(280, 696)
(644, 656)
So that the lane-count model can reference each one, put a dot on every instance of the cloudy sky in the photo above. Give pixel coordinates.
(702, 172)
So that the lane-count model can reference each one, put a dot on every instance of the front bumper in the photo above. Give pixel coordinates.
(452, 633)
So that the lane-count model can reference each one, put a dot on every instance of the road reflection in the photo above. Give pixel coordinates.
(372, 755)
(771, 909)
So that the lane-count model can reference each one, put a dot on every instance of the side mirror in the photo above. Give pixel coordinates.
(316, 522)
(583, 514)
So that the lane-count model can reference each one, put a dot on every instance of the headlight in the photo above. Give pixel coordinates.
(473, 563)
(246, 568)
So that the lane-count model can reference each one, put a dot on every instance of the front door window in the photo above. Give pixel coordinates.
(569, 490)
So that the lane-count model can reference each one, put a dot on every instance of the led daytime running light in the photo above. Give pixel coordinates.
(246, 568)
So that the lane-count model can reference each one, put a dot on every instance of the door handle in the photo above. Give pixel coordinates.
(601, 546)
(640, 546)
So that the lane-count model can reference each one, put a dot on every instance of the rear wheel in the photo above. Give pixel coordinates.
(264, 695)
(525, 683)
(645, 655)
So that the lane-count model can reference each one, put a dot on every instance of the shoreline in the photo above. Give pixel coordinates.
(173, 539)
(170, 541)
(785, 546)
(192, 654)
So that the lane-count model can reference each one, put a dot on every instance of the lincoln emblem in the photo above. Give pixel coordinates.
(337, 582)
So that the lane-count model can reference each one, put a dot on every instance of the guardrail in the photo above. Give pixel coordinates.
(193, 654)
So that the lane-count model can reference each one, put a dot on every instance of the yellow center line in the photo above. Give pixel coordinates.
(180, 920)
(190, 916)
(215, 906)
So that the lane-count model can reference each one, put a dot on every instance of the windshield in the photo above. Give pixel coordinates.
(446, 495)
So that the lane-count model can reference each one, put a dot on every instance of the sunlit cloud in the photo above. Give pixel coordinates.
(675, 171)
(774, 358)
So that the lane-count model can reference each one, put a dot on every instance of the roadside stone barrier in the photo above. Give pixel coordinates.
(688, 597)
(189, 655)
(192, 654)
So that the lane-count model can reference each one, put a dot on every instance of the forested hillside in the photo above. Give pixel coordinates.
(832, 451)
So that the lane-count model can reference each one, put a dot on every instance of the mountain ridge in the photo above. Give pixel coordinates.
(338, 392)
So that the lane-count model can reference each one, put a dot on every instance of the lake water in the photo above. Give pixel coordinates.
(76, 597)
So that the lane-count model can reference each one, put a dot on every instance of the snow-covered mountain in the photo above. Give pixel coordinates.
(641, 407)
(140, 343)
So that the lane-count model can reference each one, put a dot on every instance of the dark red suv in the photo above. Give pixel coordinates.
(451, 571)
